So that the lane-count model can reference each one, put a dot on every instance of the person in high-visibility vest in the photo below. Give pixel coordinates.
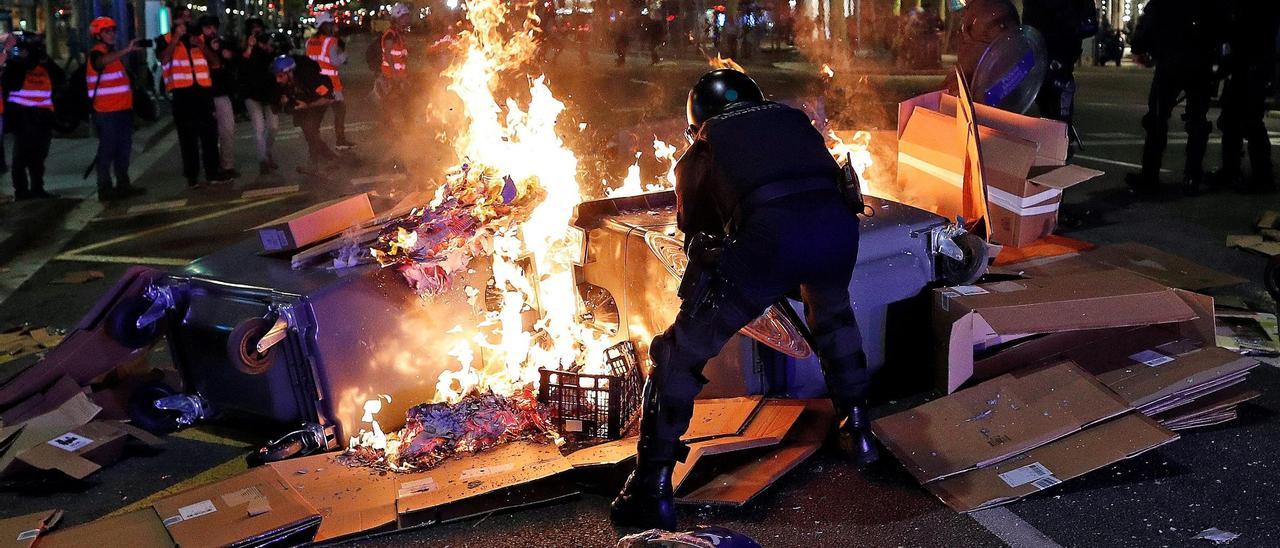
(30, 79)
(111, 94)
(392, 85)
(185, 68)
(329, 51)
(8, 40)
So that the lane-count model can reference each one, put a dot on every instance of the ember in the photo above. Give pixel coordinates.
(434, 432)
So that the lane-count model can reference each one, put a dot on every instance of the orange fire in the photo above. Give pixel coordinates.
(857, 151)
(827, 71)
(724, 62)
(632, 184)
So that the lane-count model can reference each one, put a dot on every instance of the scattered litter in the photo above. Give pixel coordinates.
(1216, 535)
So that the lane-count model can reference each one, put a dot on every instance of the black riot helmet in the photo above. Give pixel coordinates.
(719, 90)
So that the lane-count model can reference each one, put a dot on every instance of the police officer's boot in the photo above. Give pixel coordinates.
(854, 437)
(647, 499)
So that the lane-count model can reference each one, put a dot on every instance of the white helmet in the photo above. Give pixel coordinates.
(324, 17)
(400, 9)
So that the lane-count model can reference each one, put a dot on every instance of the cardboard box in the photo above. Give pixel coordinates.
(767, 427)
(15, 439)
(1022, 164)
(1127, 436)
(975, 325)
(996, 420)
(350, 500)
(1143, 260)
(315, 223)
(23, 531)
(83, 450)
(254, 508)
(510, 476)
(138, 529)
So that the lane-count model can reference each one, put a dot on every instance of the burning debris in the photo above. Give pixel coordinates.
(434, 432)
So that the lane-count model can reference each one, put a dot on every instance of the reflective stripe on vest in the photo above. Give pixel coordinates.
(187, 67)
(395, 57)
(36, 91)
(318, 48)
(112, 88)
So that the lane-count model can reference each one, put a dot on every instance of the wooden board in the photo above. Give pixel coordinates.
(741, 484)
(769, 426)
(721, 417)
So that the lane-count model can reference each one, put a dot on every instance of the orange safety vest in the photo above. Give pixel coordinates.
(187, 67)
(109, 92)
(318, 48)
(36, 91)
(395, 55)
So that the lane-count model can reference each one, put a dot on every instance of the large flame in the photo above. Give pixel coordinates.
(856, 151)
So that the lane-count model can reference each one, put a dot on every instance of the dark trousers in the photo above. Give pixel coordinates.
(197, 132)
(807, 242)
(1244, 98)
(32, 135)
(340, 121)
(308, 120)
(115, 146)
(1057, 96)
(1170, 80)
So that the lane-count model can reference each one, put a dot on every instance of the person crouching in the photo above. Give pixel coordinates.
(306, 93)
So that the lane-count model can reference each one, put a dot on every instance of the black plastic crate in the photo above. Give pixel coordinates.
(594, 406)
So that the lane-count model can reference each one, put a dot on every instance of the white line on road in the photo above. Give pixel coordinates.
(162, 228)
(156, 206)
(124, 259)
(270, 191)
(1011, 529)
(1112, 162)
(384, 178)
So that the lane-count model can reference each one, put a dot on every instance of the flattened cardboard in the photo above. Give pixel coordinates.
(23, 531)
(1075, 455)
(509, 476)
(350, 500)
(38, 404)
(138, 529)
(721, 417)
(610, 453)
(1220, 402)
(740, 485)
(1166, 268)
(1143, 385)
(992, 315)
(768, 427)
(314, 223)
(995, 420)
(72, 414)
(84, 450)
(218, 514)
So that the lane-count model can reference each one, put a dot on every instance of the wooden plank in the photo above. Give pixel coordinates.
(769, 426)
(717, 417)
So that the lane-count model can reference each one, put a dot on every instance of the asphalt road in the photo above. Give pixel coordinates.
(1218, 477)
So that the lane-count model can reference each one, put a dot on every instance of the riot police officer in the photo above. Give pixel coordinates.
(758, 174)
(1249, 73)
(1183, 38)
(981, 22)
(1064, 24)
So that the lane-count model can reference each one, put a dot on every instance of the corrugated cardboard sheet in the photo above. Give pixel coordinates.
(250, 509)
(350, 500)
(138, 529)
(22, 531)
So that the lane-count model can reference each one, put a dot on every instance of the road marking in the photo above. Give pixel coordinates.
(123, 259)
(1111, 135)
(270, 191)
(157, 206)
(1011, 529)
(188, 207)
(162, 228)
(356, 127)
(384, 178)
(1112, 162)
(1130, 142)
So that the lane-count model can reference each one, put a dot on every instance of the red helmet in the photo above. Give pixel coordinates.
(100, 24)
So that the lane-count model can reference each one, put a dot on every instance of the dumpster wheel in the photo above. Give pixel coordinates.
(242, 347)
(144, 413)
(953, 272)
(122, 323)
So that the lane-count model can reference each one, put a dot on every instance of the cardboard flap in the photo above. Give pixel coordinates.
(1064, 177)
(906, 109)
(218, 514)
(1112, 441)
(138, 529)
(502, 467)
(350, 499)
(25, 530)
(995, 420)
(1164, 375)
(73, 413)
(1050, 136)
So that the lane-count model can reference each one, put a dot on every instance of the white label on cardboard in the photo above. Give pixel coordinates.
(169, 521)
(573, 425)
(969, 290)
(1151, 358)
(1026, 474)
(273, 239)
(29, 534)
(417, 486)
(70, 441)
(486, 471)
(1046, 482)
(196, 510)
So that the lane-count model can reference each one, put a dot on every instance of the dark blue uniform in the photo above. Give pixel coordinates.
(761, 175)
(1249, 68)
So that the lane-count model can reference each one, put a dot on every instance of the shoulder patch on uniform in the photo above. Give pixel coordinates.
(322, 89)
